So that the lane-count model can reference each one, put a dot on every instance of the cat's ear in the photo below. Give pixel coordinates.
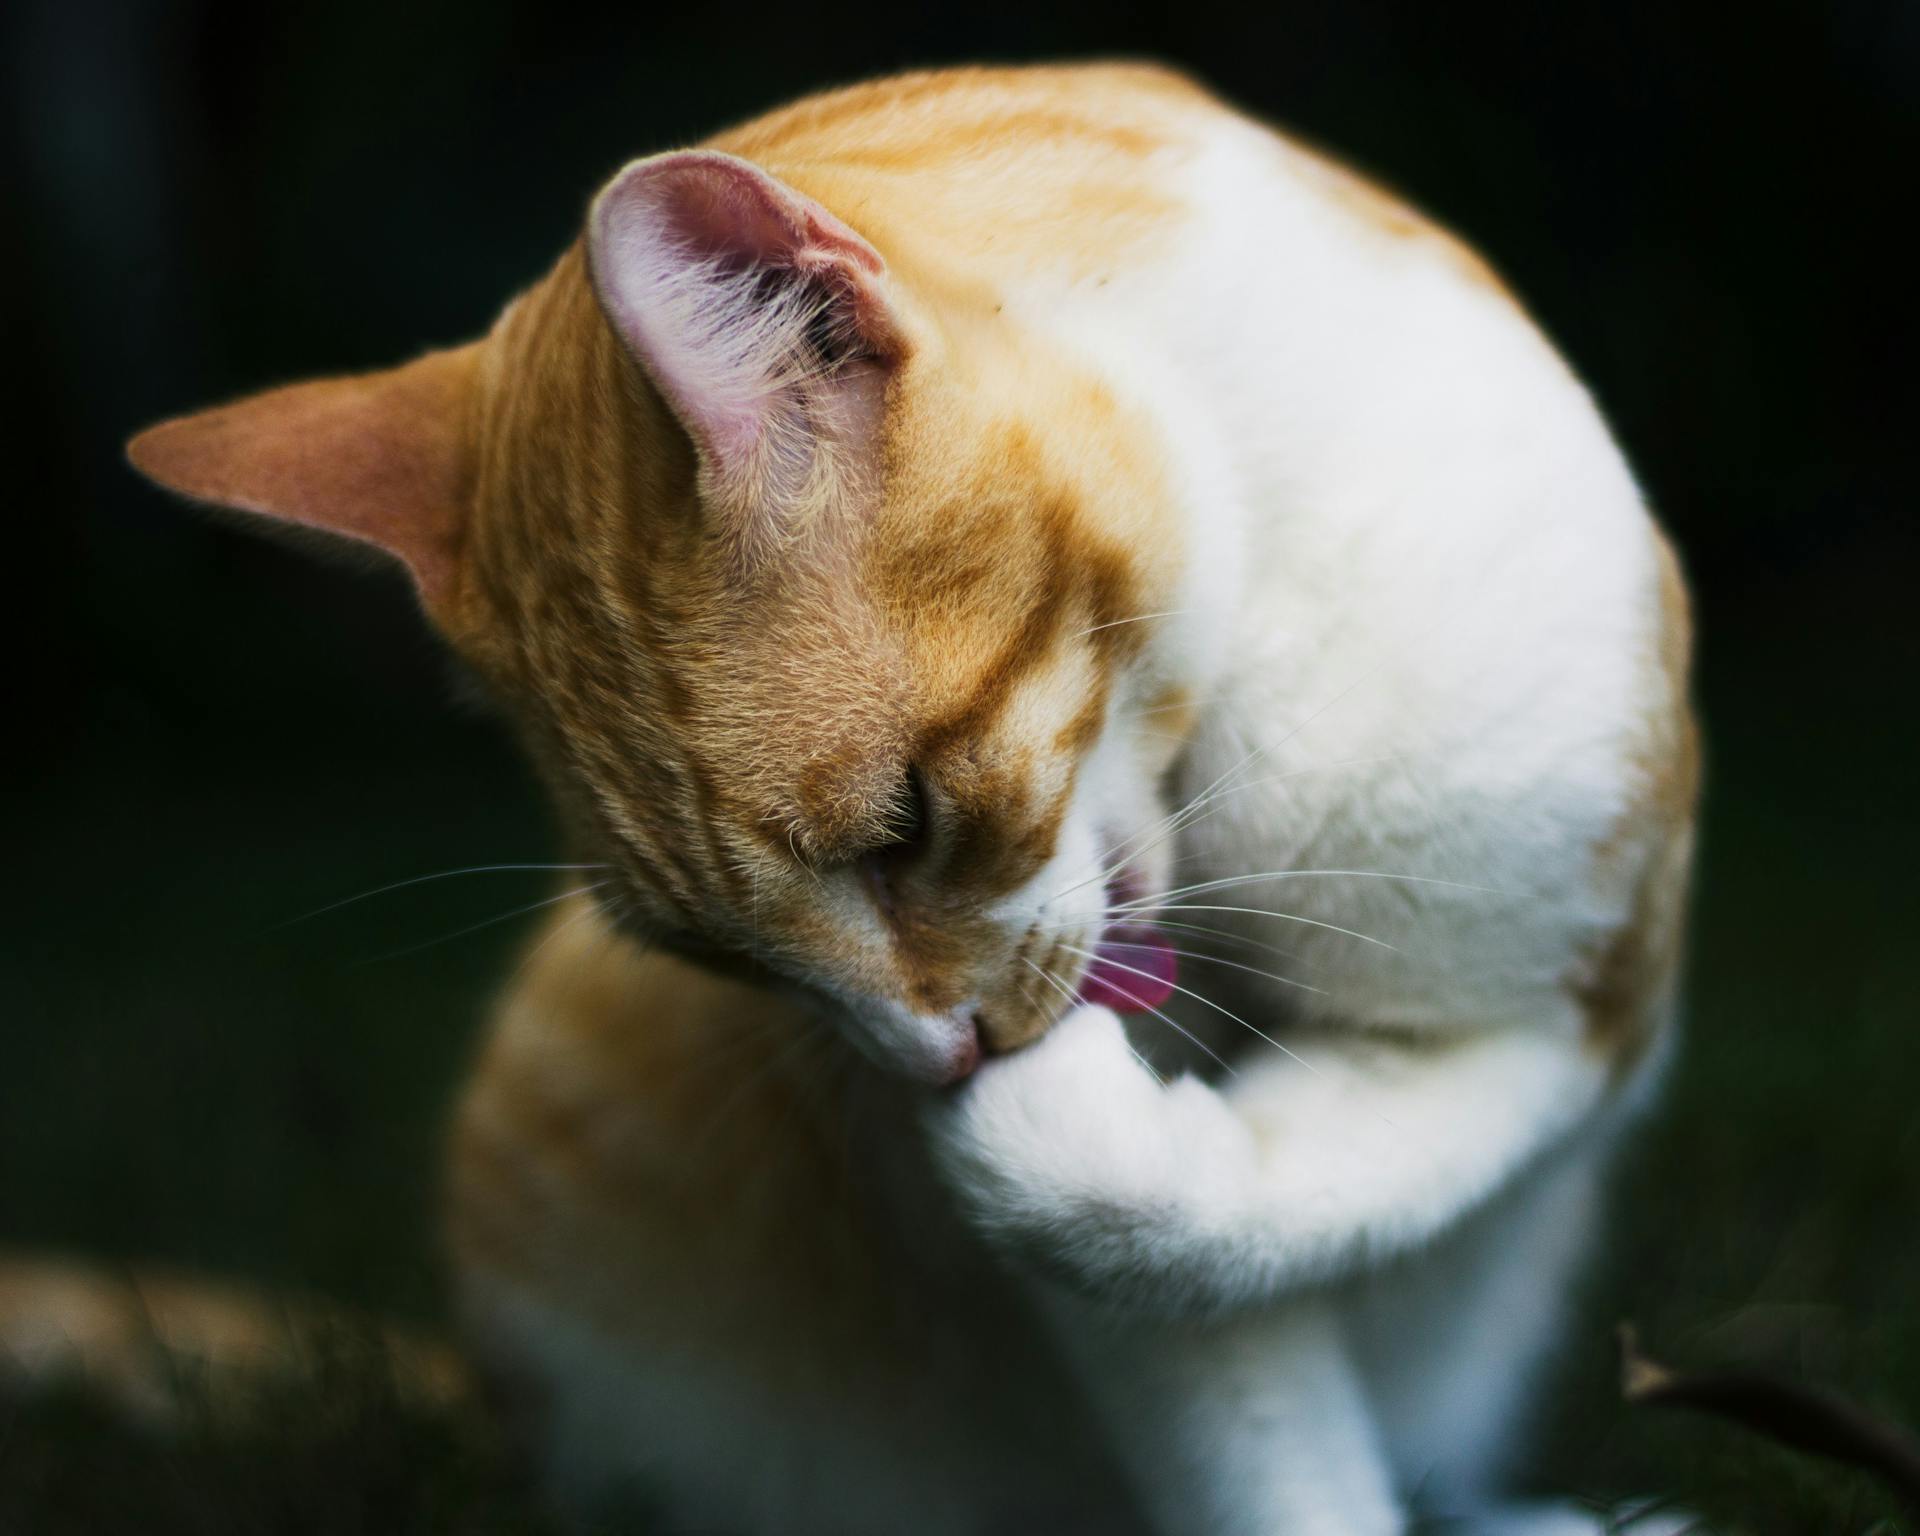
(753, 308)
(376, 457)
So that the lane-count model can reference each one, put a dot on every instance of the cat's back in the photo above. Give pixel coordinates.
(1005, 167)
(1270, 308)
(1398, 496)
(915, 119)
(1003, 173)
(1347, 396)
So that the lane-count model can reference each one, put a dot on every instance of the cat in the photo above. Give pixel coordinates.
(1132, 727)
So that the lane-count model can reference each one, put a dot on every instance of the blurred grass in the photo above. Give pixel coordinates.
(188, 1077)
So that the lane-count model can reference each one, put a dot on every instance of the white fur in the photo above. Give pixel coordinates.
(1417, 601)
(1435, 669)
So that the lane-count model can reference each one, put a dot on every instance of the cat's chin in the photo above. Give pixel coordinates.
(954, 1059)
(936, 1050)
(966, 1060)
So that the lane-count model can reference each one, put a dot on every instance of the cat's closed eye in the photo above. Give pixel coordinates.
(909, 829)
(913, 823)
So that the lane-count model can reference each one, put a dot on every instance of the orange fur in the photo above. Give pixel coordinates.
(720, 732)
(947, 597)
(1626, 984)
(623, 1129)
(945, 594)
(727, 694)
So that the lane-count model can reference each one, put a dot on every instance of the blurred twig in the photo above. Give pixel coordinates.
(1807, 1418)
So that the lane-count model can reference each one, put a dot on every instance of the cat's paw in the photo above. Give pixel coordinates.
(1063, 1118)
(1072, 1156)
(1067, 1112)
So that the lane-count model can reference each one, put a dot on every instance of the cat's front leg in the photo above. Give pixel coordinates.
(1252, 1425)
(1184, 1199)
(1073, 1155)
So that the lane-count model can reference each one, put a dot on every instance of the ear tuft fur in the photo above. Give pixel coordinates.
(751, 306)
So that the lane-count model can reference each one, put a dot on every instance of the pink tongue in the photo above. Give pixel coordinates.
(1133, 972)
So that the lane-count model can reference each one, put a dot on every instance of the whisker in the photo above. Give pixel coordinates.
(1138, 618)
(591, 909)
(1207, 803)
(1291, 917)
(1118, 855)
(1207, 959)
(1072, 1001)
(1171, 1024)
(1052, 981)
(1207, 795)
(1189, 814)
(1209, 1002)
(1225, 935)
(1182, 818)
(459, 933)
(1299, 874)
(1203, 797)
(1076, 919)
(445, 874)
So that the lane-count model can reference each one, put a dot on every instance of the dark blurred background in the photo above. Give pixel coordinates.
(213, 736)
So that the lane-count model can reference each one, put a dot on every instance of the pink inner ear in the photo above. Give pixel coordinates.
(717, 277)
(725, 207)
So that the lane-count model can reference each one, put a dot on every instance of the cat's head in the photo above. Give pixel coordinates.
(821, 592)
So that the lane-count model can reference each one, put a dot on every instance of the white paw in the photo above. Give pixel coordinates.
(1075, 1159)
(1071, 1112)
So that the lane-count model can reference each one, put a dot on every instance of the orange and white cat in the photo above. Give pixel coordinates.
(975, 556)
